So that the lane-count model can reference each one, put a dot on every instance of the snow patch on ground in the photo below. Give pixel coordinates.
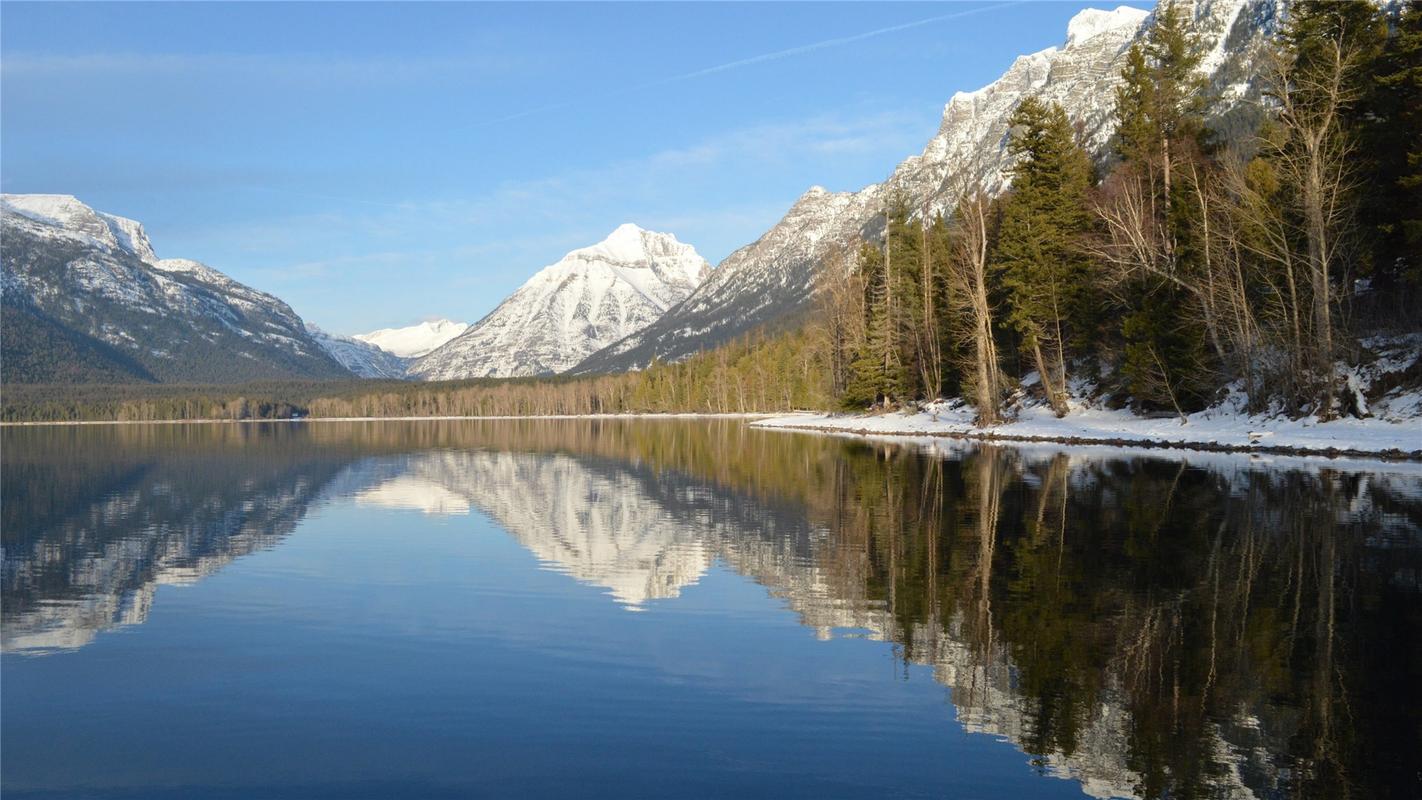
(1393, 427)
(1211, 428)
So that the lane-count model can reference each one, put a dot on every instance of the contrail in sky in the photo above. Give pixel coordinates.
(746, 62)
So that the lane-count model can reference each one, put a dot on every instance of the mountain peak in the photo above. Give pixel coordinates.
(52, 208)
(73, 216)
(588, 299)
(1093, 21)
(133, 316)
(630, 244)
(627, 229)
(814, 195)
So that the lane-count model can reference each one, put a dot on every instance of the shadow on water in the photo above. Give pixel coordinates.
(1184, 625)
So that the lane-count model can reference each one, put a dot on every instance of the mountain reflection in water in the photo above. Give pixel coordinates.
(1185, 625)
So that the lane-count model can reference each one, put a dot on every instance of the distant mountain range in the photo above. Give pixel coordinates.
(388, 352)
(86, 298)
(589, 299)
(416, 340)
(360, 357)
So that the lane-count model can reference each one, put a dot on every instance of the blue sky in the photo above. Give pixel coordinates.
(378, 164)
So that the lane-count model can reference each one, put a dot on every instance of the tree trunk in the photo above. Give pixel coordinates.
(1319, 283)
(1055, 398)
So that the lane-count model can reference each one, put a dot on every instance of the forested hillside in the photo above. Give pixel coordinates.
(36, 349)
(1189, 265)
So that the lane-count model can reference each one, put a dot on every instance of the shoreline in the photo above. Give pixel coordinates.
(1129, 432)
(1392, 455)
(854, 425)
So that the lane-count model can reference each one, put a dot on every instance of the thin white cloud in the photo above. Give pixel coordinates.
(739, 63)
(827, 43)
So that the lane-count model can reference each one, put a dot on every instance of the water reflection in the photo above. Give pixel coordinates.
(1187, 626)
(95, 521)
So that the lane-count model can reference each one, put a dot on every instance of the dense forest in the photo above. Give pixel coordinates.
(754, 373)
(1185, 263)
(1182, 264)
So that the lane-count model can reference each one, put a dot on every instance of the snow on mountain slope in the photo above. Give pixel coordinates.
(75, 274)
(360, 357)
(415, 340)
(589, 299)
(773, 278)
(66, 213)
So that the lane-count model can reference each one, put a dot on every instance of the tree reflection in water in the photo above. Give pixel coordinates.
(1178, 626)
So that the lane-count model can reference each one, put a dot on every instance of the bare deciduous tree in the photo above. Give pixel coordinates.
(967, 279)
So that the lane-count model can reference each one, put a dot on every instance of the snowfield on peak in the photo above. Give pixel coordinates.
(587, 300)
(414, 341)
(1091, 22)
(65, 215)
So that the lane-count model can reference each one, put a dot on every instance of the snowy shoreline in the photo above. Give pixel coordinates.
(1373, 439)
(1208, 431)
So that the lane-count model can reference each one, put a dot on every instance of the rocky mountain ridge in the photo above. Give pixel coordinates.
(360, 357)
(87, 298)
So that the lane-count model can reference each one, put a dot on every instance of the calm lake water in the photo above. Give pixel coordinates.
(678, 608)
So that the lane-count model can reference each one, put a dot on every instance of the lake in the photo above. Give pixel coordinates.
(697, 608)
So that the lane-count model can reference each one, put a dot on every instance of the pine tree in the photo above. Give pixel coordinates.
(1160, 100)
(1039, 256)
(868, 381)
(1159, 135)
(888, 368)
(1392, 139)
(904, 246)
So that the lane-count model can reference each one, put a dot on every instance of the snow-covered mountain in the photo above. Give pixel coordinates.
(87, 299)
(589, 299)
(415, 340)
(360, 357)
(773, 277)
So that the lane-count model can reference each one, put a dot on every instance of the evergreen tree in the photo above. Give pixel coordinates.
(1392, 139)
(1039, 256)
(868, 380)
(904, 252)
(889, 366)
(1159, 132)
(1160, 100)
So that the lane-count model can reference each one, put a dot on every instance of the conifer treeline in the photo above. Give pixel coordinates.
(1189, 264)
(757, 372)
